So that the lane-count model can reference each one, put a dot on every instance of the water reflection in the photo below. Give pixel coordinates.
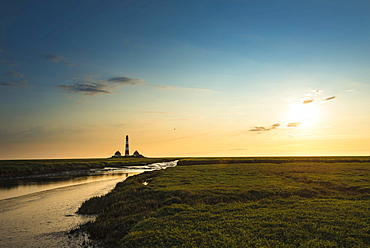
(42, 219)
(38, 212)
(15, 188)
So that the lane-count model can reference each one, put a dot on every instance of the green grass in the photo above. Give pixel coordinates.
(18, 168)
(322, 202)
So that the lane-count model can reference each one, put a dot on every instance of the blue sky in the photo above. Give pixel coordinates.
(184, 78)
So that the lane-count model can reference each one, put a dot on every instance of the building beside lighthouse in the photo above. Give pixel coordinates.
(136, 154)
(117, 154)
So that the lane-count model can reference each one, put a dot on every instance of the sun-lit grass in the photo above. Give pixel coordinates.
(286, 202)
(15, 168)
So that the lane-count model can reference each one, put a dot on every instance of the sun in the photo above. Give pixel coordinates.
(304, 115)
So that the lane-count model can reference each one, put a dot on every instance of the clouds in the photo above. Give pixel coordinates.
(307, 101)
(14, 74)
(163, 87)
(304, 111)
(293, 124)
(14, 83)
(86, 88)
(312, 98)
(81, 87)
(259, 129)
(329, 98)
(263, 129)
(125, 81)
(17, 83)
(275, 126)
(319, 101)
(8, 62)
(106, 86)
(58, 59)
(156, 112)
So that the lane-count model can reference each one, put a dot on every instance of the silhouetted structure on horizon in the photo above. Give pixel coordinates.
(136, 154)
(127, 151)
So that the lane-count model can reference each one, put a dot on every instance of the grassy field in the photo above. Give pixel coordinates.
(19, 168)
(239, 202)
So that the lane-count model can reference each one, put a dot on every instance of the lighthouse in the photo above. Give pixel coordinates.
(136, 154)
(127, 151)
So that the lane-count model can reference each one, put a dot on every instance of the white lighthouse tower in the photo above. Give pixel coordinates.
(127, 151)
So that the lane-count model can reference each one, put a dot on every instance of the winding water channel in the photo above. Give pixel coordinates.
(39, 212)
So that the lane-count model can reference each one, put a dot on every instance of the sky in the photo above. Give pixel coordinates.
(184, 78)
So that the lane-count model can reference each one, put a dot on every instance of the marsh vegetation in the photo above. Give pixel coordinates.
(21, 168)
(241, 202)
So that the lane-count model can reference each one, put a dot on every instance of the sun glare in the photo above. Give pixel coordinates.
(304, 114)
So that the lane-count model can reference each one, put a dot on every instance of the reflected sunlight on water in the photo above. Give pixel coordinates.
(39, 212)
(45, 210)
(14, 188)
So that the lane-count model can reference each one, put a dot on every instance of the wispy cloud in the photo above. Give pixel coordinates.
(58, 59)
(264, 129)
(312, 98)
(101, 86)
(8, 62)
(309, 99)
(329, 98)
(14, 74)
(18, 83)
(125, 81)
(86, 88)
(162, 87)
(293, 124)
(239, 149)
(156, 112)
(34, 134)
(259, 129)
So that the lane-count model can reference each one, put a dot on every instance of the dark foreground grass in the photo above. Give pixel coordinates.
(19, 168)
(260, 204)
